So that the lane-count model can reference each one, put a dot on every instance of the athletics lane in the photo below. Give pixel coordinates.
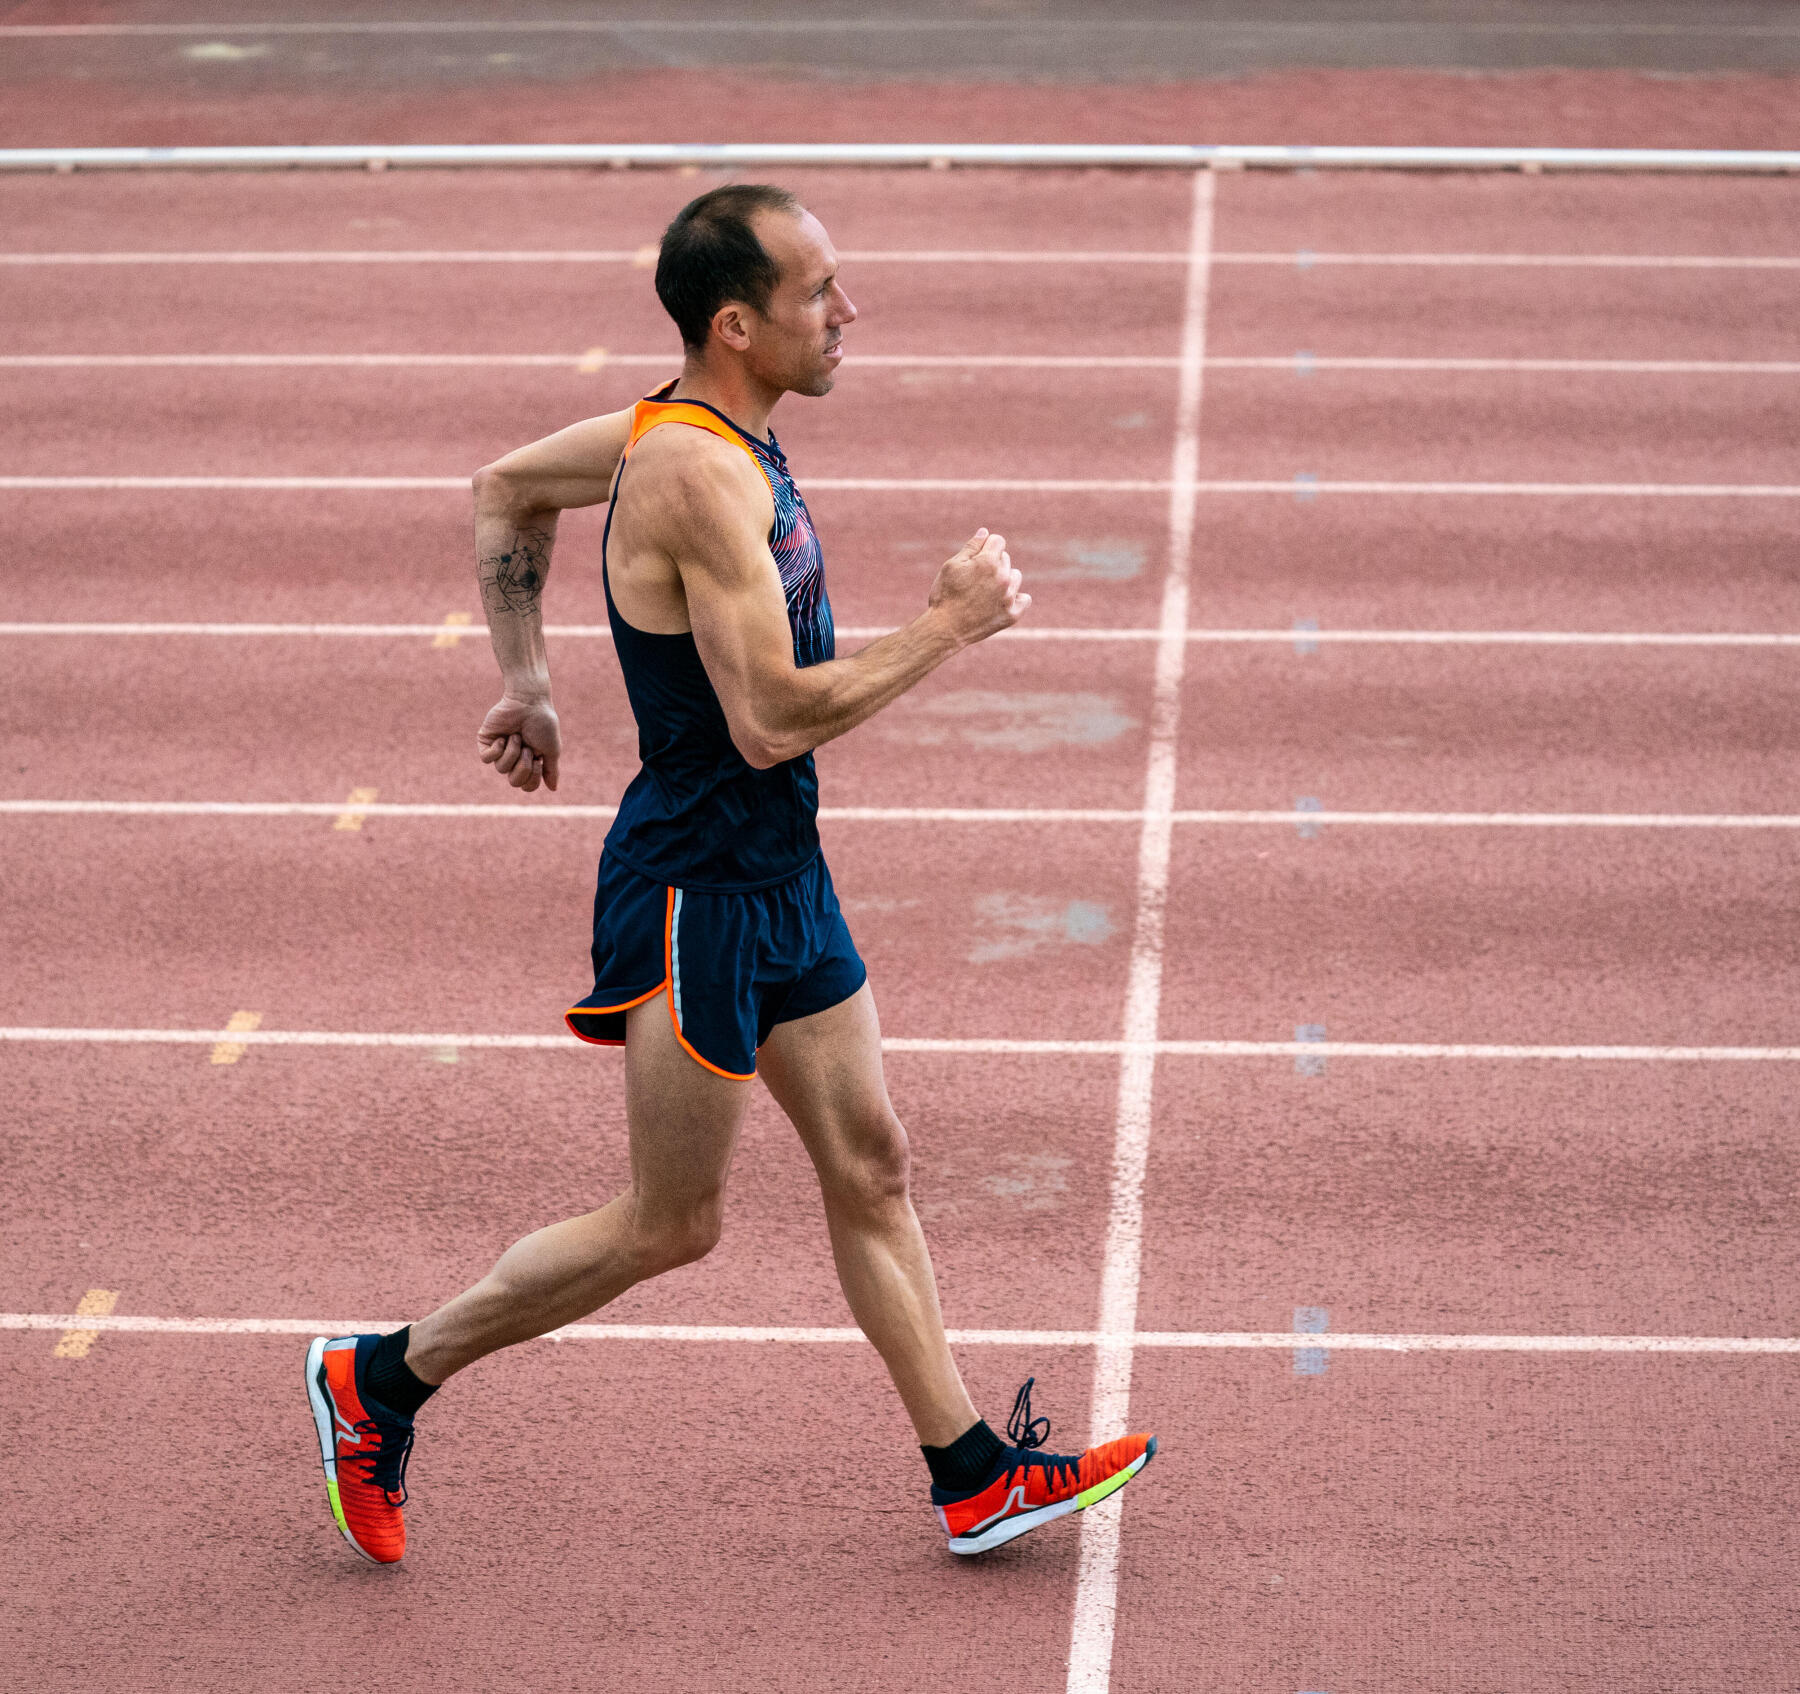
(550, 210)
(1349, 561)
(1493, 728)
(1522, 1197)
(624, 1515)
(468, 926)
(1473, 935)
(1470, 1522)
(310, 719)
(405, 557)
(219, 1190)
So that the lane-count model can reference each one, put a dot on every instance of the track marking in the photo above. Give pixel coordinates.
(455, 623)
(1530, 261)
(1098, 1048)
(1287, 486)
(597, 358)
(77, 1340)
(238, 1024)
(1310, 1039)
(1097, 1579)
(778, 1335)
(1305, 812)
(1304, 364)
(1311, 1320)
(361, 799)
(635, 257)
(727, 22)
(1355, 637)
(956, 485)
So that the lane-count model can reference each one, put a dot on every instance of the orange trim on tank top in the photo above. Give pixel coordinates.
(646, 415)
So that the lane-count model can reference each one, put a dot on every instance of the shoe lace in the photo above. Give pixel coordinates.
(385, 1466)
(1028, 1434)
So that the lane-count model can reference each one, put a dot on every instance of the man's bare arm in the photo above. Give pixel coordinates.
(717, 512)
(517, 500)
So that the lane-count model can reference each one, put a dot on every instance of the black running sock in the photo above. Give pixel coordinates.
(389, 1379)
(968, 1462)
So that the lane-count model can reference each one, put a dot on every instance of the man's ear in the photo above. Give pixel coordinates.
(730, 326)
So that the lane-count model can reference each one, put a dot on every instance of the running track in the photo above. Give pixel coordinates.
(1306, 766)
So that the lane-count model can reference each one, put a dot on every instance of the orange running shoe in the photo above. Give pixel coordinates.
(364, 1446)
(1029, 1488)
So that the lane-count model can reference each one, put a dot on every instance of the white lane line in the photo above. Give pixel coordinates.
(1029, 632)
(967, 485)
(915, 814)
(1097, 1578)
(853, 25)
(1301, 260)
(1598, 367)
(1141, 1049)
(315, 484)
(571, 361)
(1304, 260)
(798, 1335)
(581, 362)
(1291, 486)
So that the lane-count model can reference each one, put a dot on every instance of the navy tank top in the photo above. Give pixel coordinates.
(697, 815)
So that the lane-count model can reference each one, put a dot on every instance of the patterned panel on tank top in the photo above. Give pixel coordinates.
(799, 559)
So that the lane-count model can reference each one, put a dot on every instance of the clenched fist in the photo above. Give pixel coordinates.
(523, 741)
(978, 590)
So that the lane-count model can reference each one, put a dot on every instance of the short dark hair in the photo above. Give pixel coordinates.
(710, 254)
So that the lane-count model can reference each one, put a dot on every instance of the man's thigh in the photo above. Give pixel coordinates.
(825, 1072)
(683, 1118)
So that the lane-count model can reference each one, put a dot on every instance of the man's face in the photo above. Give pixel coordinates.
(796, 343)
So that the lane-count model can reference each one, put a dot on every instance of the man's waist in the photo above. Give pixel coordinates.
(701, 874)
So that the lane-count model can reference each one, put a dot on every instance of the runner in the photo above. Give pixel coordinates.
(719, 950)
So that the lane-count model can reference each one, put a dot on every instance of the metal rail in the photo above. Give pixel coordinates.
(941, 156)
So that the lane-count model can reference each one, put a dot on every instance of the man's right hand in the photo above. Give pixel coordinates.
(977, 591)
(522, 740)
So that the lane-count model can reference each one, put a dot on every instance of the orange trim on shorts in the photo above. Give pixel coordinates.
(674, 1020)
(607, 1011)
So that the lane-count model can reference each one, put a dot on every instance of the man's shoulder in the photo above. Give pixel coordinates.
(689, 455)
(694, 479)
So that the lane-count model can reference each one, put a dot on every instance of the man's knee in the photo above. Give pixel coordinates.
(872, 1167)
(672, 1239)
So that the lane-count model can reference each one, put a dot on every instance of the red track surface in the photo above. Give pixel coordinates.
(1398, 1522)
(1568, 108)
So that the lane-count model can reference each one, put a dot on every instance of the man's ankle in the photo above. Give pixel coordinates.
(391, 1381)
(968, 1462)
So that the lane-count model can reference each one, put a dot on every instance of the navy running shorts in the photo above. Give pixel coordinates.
(735, 965)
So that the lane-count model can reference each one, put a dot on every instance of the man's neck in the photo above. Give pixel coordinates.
(747, 402)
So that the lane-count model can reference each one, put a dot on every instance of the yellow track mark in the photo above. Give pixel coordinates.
(358, 797)
(229, 1052)
(96, 1303)
(452, 632)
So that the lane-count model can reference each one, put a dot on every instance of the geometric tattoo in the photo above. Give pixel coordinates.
(514, 581)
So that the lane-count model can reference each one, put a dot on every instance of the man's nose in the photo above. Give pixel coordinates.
(846, 311)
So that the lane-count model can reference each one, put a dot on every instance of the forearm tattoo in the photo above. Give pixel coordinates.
(513, 581)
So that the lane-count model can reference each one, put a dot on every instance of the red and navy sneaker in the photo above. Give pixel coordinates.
(1029, 1488)
(364, 1446)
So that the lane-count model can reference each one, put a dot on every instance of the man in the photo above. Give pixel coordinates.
(719, 950)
